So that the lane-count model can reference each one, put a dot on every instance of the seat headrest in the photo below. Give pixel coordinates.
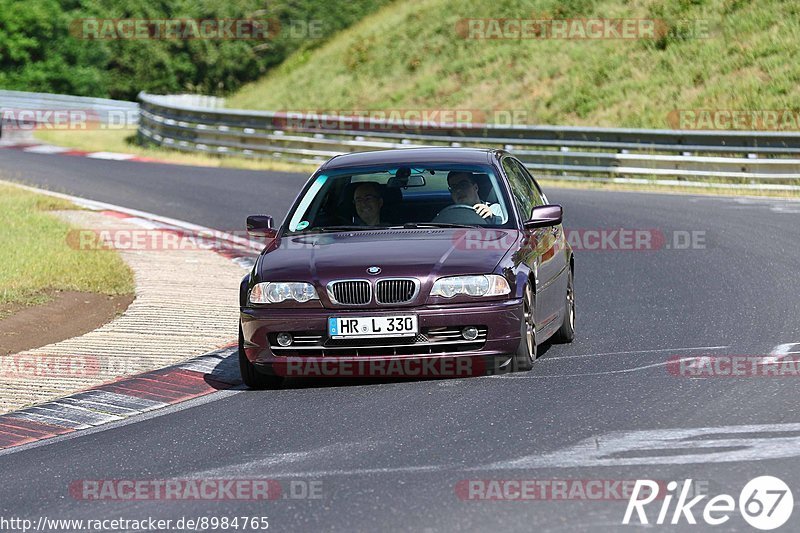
(485, 189)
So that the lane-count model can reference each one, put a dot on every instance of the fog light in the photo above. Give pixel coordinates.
(284, 339)
(470, 333)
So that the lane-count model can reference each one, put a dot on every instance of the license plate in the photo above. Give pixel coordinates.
(377, 326)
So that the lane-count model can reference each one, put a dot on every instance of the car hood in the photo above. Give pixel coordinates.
(424, 254)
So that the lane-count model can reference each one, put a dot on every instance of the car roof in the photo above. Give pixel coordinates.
(410, 156)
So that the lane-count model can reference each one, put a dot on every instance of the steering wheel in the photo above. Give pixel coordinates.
(459, 214)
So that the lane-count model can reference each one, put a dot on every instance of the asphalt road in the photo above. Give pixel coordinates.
(391, 455)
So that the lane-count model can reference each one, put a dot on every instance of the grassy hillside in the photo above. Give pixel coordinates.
(409, 56)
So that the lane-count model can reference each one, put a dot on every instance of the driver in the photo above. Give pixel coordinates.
(464, 191)
(368, 202)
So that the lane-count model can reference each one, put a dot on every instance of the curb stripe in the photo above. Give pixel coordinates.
(50, 149)
(99, 406)
(139, 392)
(129, 396)
(9, 431)
(115, 214)
(25, 428)
(47, 420)
(137, 405)
(70, 413)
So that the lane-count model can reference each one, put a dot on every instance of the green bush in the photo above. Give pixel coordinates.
(38, 52)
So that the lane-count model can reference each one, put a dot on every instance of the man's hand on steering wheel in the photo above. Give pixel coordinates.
(483, 210)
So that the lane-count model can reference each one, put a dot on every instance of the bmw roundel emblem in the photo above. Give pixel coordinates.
(374, 270)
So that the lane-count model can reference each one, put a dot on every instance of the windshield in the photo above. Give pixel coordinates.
(405, 196)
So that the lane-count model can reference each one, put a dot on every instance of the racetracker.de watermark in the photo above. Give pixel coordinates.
(208, 489)
(27, 366)
(167, 240)
(353, 366)
(735, 119)
(580, 239)
(397, 119)
(23, 366)
(67, 119)
(586, 239)
(598, 28)
(548, 489)
(734, 366)
(175, 29)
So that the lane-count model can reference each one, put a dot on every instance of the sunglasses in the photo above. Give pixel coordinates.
(461, 186)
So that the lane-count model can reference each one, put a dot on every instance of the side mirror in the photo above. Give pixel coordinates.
(544, 216)
(261, 226)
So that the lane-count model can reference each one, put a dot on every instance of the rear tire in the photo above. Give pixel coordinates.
(566, 333)
(250, 374)
(527, 351)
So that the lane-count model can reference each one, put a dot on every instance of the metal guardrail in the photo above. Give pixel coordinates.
(21, 112)
(103, 108)
(729, 159)
(195, 123)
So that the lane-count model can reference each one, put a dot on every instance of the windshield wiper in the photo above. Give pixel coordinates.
(424, 225)
(327, 229)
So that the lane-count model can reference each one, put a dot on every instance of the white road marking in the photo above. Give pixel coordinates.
(605, 373)
(785, 209)
(787, 205)
(777, 353)
(781, 351)
(637, 352)
(113, 156)
(722, 444)
(46, 149)
(355, 472)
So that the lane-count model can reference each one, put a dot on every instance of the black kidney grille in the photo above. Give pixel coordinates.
(351, 292)
(395, 291)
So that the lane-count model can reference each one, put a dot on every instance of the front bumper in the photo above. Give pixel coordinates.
(437, 352)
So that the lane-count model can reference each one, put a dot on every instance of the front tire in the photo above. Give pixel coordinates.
(527, 351)
(566, 333)
(250, 374)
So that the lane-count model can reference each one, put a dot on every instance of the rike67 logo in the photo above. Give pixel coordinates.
(765, 503)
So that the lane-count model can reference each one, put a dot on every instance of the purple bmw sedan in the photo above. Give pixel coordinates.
(428, 262)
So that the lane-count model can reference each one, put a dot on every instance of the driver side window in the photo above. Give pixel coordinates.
(538, 198)
(521, 188)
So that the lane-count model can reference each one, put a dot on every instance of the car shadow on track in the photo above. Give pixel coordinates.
(321, 382)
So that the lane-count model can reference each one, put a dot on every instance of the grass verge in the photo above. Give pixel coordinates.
(37, 258)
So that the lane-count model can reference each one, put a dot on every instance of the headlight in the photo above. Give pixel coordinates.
(490, 285)
(273, 293)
